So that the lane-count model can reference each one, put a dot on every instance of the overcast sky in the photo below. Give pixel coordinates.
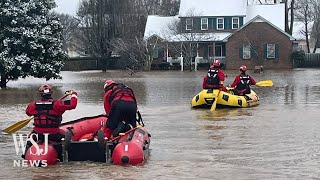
(67, 6)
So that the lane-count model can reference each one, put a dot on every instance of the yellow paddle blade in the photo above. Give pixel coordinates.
(17, 126)
(214, 104)
(265, 83)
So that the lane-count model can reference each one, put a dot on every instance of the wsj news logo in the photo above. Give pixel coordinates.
(20, 143)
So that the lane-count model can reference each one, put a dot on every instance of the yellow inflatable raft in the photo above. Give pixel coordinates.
(226, 99)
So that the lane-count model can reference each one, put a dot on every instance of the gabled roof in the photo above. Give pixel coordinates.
(274, 13)
(212, 8)
(261, 19)
(158, 25)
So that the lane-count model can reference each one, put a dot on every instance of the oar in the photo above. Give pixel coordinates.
(15, 127)
(214, 104)
(125, 133)
(19, 125)
(265, 83)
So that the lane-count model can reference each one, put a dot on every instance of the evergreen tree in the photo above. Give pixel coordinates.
(30, 40)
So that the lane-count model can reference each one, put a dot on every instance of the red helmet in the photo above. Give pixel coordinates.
(45, 89)
(216, 63)
(243, 68)
(108, 84)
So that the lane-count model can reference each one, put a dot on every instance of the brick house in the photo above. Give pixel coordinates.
(230, 30)
(257, 43)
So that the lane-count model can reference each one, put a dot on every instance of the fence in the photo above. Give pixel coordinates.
(312, 60)
(87, 63)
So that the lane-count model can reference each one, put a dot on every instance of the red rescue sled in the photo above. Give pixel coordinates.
(131, 147)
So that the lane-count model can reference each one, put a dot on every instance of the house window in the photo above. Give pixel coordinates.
(155, 53)
(189, 24)
(235, 23)
(204, 23)
(218, 51)
(246, 52)
(220, 23)
(271, 51)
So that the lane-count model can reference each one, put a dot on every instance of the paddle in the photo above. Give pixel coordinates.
(265, 83)
(125, 133)
(214, 104)
(19, 125)
(15, 127)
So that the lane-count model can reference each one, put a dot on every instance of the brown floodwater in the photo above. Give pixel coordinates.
(279, 139)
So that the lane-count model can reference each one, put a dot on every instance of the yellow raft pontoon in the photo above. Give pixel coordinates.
(226, 99)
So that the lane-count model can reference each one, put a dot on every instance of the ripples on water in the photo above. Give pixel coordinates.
(276, 140)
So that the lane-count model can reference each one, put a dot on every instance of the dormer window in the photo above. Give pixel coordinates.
(204, 23)
(220, 23)
(235, 23)
(189, 24)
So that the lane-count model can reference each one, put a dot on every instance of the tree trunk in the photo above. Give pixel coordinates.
(286, 17)
(316, 45)
(3, 82)
(292, 17)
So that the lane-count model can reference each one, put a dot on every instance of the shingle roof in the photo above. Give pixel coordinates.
(159, 25)
(274, 13)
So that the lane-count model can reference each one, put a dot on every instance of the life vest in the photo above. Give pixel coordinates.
(119, 91)
(46, 117)
(213, 80)
(244, 83)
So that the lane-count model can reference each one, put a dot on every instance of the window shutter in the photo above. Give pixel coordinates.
(241, 53)
(265, 51)
(277, 51)
(214, 23)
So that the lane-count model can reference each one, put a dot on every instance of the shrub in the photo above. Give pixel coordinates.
(298, 55)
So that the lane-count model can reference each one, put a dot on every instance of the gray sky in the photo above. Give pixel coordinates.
(67, 6)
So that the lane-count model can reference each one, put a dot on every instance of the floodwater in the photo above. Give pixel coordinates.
(279, 139)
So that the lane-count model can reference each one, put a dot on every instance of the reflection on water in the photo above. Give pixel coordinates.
(222, 114)
(276, 140)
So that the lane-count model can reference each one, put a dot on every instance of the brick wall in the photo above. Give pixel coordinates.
(259, 34)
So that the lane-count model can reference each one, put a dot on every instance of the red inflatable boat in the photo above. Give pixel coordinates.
(131, 147)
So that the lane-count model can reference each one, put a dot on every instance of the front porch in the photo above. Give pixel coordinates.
(202, 56)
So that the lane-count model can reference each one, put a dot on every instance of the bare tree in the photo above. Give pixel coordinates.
(188, 39)
(108, 25)
(96, 29)
(305, 14)
(289, 12)
(70, 26)
(138, 51)
(315, 33)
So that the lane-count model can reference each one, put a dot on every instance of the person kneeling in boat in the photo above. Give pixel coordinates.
(242, 82)
(121, 107)
(215, 77)
(48, 114)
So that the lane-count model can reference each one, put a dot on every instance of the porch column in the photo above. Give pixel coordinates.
(196, 59)
(167, 52)
(181, 58)
(214, 51)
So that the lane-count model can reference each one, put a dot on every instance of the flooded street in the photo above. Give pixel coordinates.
(279, 139)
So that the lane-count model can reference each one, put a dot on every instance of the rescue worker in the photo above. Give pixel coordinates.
(121, 107)
(215, 77)
(48, 113)
(242, 82)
